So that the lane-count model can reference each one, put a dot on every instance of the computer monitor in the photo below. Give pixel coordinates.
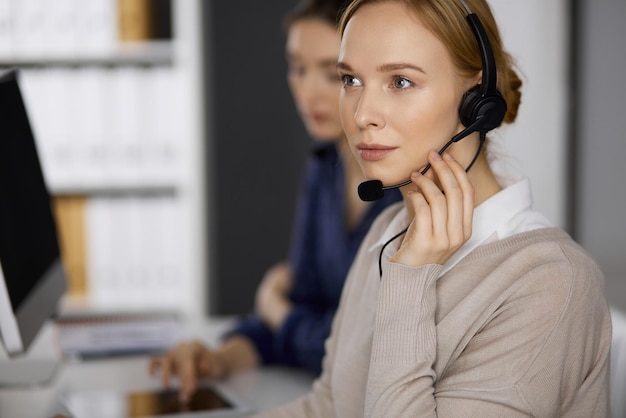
(32, 278)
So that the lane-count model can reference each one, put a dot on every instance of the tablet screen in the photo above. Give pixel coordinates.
(149, 403)
(145, 403)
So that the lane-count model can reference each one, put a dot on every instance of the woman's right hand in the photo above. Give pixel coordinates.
(189, 361)
(442, 213)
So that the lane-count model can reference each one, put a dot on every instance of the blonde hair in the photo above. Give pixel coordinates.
(447, 21)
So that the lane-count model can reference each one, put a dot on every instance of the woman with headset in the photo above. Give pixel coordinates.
(297, 299)
(462, 300)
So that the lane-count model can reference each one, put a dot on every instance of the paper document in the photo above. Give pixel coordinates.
(117, 334)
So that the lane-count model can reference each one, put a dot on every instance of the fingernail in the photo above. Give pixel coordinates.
(435, 156)
(416, 174)
(448, 156)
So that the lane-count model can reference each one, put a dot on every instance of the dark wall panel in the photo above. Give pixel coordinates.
(257, 145)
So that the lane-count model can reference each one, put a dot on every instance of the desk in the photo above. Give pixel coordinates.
(261, 389)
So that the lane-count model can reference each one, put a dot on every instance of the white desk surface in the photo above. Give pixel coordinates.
(261, 389)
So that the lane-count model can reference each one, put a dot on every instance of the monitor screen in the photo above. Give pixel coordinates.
(32, 280)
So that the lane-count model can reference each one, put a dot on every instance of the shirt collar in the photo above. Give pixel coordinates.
(489, 217)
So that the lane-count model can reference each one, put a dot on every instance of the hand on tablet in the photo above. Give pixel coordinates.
(191, 361)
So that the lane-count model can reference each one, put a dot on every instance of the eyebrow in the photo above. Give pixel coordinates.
(385, 67)
(343, 66)
(399, 66)
(330, 62)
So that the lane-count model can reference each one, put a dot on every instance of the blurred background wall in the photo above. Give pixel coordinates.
(599, 133)
(258, 149)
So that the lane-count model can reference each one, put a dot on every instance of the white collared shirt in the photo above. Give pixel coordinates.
(506, 213)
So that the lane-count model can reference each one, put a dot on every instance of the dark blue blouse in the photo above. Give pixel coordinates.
(321, 254)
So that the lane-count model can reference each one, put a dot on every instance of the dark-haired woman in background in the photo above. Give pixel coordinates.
(297, 299)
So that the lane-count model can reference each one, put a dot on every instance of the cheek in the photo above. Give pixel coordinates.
(431, 122)
(346, 113)
(296, 91)
(332, 97)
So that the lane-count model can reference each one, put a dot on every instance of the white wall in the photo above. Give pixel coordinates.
(601, 189)
(535, 33)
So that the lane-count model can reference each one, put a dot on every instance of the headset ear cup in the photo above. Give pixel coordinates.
(491, 109)
(468, 103)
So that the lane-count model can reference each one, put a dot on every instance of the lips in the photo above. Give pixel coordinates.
(317, 117)
(374, 152)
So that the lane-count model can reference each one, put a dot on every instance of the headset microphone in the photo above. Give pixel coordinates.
(482, 108)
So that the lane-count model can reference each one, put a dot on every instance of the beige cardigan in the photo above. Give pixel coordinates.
(519, 327)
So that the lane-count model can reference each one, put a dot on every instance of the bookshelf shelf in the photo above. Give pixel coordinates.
(112, 190)
(129, 53)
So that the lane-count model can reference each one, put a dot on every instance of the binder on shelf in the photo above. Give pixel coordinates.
(29, 27)
(69, 212)
(59, 31)
(106, 128)
(142, 20)
(134, 21)
(6, 28)
(96, 27)
(134, 252)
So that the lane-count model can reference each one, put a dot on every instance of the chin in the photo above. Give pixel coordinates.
(324, 135)
(385, 176)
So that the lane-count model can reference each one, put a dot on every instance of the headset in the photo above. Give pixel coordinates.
(483, 104)
(482, 108)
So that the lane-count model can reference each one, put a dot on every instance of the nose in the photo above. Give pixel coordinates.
(368, 113)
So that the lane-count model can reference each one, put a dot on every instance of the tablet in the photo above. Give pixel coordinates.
(207, 401)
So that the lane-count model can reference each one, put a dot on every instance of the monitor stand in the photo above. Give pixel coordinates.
(25, 372)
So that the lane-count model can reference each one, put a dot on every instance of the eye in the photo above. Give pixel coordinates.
(294, 69)
(401, 83)
(333, 77)
(350, 81)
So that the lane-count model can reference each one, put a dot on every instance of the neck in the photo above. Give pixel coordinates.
(484, 181)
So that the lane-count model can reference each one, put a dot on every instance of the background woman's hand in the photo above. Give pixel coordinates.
(272, 302)
(189, 361)
(442, 213)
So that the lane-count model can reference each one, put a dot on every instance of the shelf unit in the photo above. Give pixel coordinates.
(153, 52)
(141, 205)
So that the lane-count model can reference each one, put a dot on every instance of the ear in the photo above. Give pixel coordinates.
(477, 79)
(472, 81)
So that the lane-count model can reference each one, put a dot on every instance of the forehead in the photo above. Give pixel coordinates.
(390, 32)
(312, 38)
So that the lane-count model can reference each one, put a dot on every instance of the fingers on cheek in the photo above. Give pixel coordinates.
(430, 174)
(421, 181)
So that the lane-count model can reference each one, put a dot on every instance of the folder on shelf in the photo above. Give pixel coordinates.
(105, 335)
(69, 212)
